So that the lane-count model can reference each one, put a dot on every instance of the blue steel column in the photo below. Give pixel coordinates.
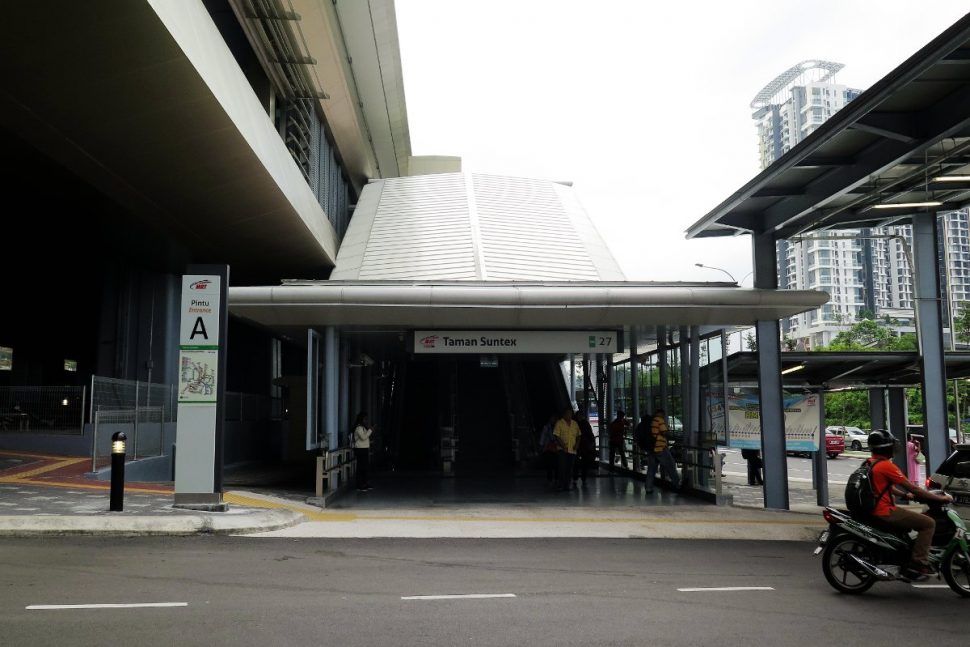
(820, 468)
(769, 379)
(662, 368)
(897, 425)
(877, 408)
(634, 392)
(609, 410)
(696, 404)
(930, 319)
(331, 374)
(683, 339)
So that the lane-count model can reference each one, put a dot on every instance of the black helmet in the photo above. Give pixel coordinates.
(881, 442)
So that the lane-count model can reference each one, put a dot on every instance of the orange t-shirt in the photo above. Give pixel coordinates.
(884, 475)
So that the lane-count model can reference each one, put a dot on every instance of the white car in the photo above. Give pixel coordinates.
(856, 440)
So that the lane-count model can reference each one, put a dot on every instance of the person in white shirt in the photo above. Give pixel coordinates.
(362, 433)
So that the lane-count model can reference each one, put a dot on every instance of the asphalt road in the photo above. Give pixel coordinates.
(249, 591)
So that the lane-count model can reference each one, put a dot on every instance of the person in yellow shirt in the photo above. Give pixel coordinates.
(566, 433)
(660, 454)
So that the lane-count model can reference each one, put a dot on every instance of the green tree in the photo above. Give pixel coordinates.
(868, 335)
(751, 342)
(962, 323)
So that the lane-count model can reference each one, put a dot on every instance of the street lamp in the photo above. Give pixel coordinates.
(708, 267)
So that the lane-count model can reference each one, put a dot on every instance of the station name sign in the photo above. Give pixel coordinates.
(475, 342)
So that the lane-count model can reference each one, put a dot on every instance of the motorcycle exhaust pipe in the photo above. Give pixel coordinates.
(871, 569)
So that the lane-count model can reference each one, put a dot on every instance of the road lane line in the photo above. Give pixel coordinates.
(930, 586)
(470, 596)
(47, 607)
(728, 588)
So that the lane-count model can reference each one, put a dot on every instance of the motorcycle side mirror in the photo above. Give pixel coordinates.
(962, 470)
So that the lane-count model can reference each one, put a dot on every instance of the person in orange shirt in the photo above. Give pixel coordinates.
(887, 481)
(567, 436)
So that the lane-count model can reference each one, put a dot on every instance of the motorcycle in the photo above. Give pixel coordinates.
(856, 554)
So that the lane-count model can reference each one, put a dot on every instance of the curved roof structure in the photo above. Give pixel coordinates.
(472, 227)
(403, 304)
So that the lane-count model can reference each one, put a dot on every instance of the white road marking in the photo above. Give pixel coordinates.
(728, 588)
(37, 607)
(930, 586)
(470, 596)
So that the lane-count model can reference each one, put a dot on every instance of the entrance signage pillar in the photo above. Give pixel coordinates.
(201, 388)
(820, 466)
(331, 377)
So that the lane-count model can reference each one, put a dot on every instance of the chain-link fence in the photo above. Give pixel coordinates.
(42, 409)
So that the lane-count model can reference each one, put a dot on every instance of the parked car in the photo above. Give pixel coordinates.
(855, 438)
(954, 474)
(834, 445)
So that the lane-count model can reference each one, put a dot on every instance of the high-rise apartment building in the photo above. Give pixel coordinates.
(787, 110)
(863, 271)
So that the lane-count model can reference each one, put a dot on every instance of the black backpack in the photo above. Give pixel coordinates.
(643, 437)
(860, 496)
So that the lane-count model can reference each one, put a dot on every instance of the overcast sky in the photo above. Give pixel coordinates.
(642, 105)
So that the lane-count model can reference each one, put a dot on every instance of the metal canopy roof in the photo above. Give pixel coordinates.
(886, 146)
(843, 369)
(512, 305)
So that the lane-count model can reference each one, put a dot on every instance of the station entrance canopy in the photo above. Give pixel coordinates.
(296, 306)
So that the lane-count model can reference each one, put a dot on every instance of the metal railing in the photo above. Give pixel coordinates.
(112, 394)
(42, 409)
(700, 467)
(144, 428)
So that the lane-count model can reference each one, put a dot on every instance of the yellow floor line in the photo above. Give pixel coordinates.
(51, 467)
(307, 511)
(313, 515)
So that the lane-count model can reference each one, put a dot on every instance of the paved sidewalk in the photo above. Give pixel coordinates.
(42, 494)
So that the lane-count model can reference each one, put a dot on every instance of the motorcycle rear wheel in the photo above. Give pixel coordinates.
(844, 577)
(956, 572)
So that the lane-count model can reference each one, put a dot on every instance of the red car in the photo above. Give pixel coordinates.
(834, 445)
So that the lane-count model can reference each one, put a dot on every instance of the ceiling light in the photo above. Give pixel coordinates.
(908, 205)
(793, 369)
(952, 178)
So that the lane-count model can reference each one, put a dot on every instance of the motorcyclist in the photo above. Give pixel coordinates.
(887, 481)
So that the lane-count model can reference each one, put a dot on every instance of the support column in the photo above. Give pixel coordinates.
(572, 379)
(610, 411)
(877, 408)
(662, 368)
(820, 467)
(693, 434)
(331, 376)
(929, 316)
(343, 392)
(634, 393)
(683, 349)
(725, 347)
(769, 380)
(897, 426)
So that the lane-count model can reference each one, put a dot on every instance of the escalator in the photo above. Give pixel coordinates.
(496, 413)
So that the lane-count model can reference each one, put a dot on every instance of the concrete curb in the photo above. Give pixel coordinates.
(114, 524)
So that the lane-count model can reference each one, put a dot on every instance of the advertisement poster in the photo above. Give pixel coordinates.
(744, 420)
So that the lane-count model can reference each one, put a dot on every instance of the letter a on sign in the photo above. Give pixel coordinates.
(199, 329)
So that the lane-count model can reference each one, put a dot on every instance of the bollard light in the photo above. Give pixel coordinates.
(117, 501)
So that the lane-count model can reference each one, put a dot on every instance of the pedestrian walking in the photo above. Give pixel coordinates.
(618, 439)
(549, 448)
(586, 453)
(362, 434)
(753, 456)
(660, 454)
(912, 464)
(567, 435)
